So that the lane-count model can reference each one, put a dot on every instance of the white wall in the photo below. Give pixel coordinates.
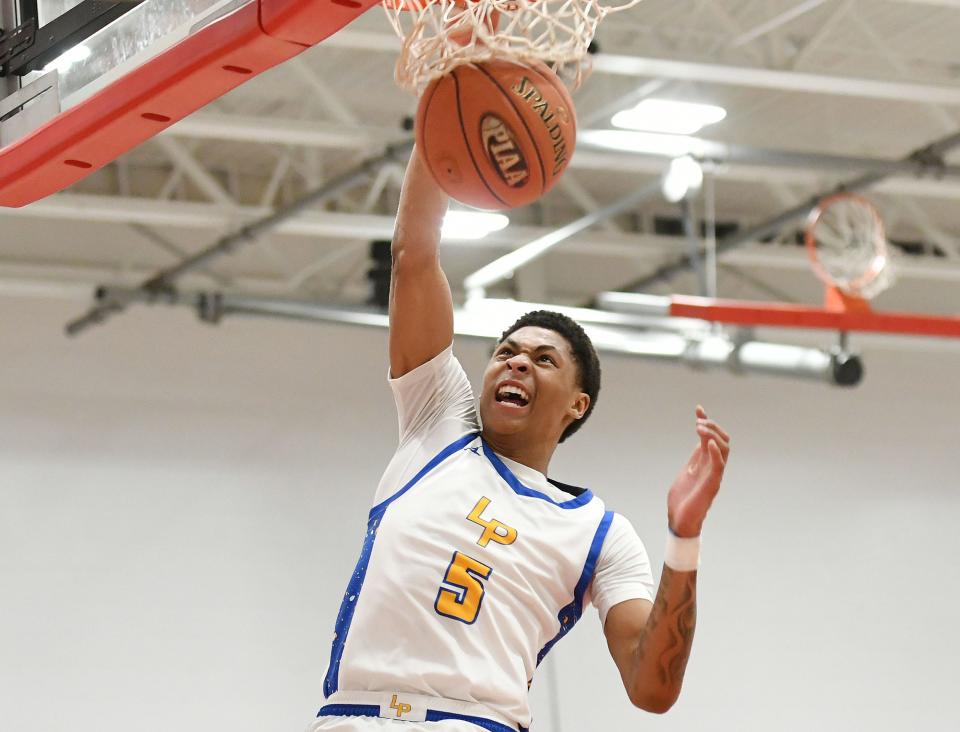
(181, 506)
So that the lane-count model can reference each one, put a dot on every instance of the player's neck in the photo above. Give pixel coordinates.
(521, 448)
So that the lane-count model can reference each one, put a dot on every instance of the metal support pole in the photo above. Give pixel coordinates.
(163, 281)
(921, 159)
(710, 219)
(693, 244)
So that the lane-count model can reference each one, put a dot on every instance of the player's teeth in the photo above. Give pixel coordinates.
(508, 389)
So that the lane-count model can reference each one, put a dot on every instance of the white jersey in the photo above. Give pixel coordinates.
(472, 568)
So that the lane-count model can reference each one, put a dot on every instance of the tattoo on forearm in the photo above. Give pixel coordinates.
(668, 634)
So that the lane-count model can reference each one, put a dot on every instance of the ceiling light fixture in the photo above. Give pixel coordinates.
(664, 115)
(471, 224)
(684, 178)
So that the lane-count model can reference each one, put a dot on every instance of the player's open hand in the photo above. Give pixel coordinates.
(694, 489)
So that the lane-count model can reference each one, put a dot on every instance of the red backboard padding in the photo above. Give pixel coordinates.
(202, 67)
(789, 315)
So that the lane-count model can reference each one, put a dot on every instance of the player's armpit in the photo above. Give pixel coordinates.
(421, 307)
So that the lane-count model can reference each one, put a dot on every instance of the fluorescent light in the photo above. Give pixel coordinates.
(650, 143)
(684, 177)
(67, 59)
(663, 115)
(471, 224)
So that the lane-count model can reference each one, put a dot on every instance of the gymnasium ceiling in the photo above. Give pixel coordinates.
(859, 79)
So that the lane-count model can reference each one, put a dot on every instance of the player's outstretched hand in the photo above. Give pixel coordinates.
(694, 489)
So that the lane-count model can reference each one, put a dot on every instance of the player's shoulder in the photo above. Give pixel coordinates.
(622, 537)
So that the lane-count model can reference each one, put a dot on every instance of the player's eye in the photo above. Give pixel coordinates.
(548, 359)
(503, 352)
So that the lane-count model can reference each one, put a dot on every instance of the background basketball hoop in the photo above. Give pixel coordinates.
(847, 245)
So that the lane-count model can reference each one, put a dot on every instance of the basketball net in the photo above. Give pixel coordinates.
(847, 245)
(439, 35)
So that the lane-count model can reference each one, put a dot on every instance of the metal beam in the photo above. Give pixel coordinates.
(164, 280)
(776, 22)
(948, 243)
(775, 79)
(583, 198)
(825, 29)
(311, 224)
(667, 146)
(942, 116)
(507, 264)
(44, 278)
(331, 102)
(280, 131)
(280, 170)
(787, 165)
(184, 160)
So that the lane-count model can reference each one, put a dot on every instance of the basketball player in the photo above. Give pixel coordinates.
(474, 563)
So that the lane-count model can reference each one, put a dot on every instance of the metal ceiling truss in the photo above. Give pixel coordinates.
(165, 280)
(694, 343)
(924, 173)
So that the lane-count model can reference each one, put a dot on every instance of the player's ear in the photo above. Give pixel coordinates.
(580, 405)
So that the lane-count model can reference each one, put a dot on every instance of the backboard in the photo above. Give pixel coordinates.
(84, 81)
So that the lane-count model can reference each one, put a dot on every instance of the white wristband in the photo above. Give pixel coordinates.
(682, 554)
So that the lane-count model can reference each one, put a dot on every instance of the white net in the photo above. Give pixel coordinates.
(850, 246)
(439, 35)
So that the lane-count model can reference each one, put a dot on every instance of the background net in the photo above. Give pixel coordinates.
(851, 246)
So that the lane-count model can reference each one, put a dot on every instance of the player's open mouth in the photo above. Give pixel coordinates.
(510, 395)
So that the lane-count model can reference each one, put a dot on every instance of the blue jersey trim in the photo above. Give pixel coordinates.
(437, 459)
(488, 724)
(570, 614)
(352, 595)
(372, 710)
(522, 490)
(349, 710)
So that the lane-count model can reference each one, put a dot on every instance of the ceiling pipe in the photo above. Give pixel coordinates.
(675, 340)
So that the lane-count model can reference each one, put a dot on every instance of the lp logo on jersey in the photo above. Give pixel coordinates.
(400, 707)
(493, 530)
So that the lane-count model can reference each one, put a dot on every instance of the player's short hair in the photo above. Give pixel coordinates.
(584, 354)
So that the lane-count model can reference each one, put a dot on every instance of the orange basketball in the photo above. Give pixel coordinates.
(497, 134)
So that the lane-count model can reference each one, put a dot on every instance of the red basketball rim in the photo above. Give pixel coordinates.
(869, 225)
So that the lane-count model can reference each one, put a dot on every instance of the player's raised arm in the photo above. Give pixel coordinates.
(651, 644)
(421, 308)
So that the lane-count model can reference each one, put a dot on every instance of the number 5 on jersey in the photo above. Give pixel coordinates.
(464, 576)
